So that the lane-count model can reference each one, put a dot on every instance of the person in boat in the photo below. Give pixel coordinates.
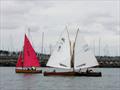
(28, 69)
(33, 68)
(89, 70)
(80, 70)
(54, 70)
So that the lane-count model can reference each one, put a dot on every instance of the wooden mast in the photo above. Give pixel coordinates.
(71, 53)
(74, 50)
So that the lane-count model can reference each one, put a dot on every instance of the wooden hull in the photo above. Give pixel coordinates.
(28, 71)
(90, 74)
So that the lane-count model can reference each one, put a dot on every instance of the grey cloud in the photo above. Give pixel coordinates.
(11, 22)
(10, 27)
(51, 16)
(40, 3)
(104, 19)
(16, 13)
(93, 18)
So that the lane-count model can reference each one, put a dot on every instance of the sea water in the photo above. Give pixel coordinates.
(9, 80)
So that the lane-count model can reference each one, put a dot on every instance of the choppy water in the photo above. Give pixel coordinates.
(9, 80)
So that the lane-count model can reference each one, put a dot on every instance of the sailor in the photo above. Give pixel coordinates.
(80, 70)
(88, 71)
(54, 70)
(28, 68)
(33, 68)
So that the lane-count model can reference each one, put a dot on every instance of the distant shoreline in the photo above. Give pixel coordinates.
(104, 61)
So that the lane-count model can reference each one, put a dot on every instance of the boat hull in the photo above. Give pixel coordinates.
(90, 74)
(27, 71)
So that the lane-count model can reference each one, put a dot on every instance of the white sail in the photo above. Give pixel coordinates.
(61, 57)
(83, 56)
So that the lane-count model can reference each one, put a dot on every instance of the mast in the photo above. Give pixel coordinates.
(74, 50)
(71, 61)
(28, 32)
(99, 46)
(42, 42)
(94, 46)
(42, 49)
(118, 43)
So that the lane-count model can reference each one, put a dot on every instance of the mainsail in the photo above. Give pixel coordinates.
(19, 61)
(61, 57)
(77, 56)
(30, 58)
(83, 56)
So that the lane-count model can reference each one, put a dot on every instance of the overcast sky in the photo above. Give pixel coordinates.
(98, 20)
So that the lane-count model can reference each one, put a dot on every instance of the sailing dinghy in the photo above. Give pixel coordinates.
(76, 57)
(27, 61)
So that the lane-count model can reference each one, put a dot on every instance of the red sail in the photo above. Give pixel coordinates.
(19, 61)
(30, 58)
